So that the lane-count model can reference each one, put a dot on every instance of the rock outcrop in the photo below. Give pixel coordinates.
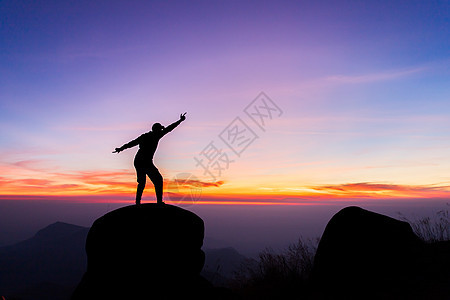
(145, 252)
(365, 255)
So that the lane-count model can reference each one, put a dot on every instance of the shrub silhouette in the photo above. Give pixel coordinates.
(289, 273)
(429, 229)
(277, 275)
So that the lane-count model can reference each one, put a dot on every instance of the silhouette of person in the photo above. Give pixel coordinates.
(143, 161)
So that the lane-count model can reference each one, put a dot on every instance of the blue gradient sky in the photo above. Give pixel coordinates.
(364, 89)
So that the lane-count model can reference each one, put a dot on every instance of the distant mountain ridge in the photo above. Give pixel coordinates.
(59, 230)
(221, 264)
(54, 256)
(51, 263)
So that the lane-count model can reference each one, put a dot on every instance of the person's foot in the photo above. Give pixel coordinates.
(138, 202)
(160, 203)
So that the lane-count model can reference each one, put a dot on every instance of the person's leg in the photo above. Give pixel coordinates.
(157, 180)
(141, 179)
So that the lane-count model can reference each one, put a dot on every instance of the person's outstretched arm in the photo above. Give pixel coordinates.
(127, 145)
(174, 125)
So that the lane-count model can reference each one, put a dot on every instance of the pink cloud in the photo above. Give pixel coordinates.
(362, 189)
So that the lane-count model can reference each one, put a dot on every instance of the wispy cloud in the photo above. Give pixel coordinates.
(195, 183)
(111, 127)
(373, 77)
(303, 88)
(33, 177)
(33, 164)
(370, 189)
(30, 186)
(83, 182)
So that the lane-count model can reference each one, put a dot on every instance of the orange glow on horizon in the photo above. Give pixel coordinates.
(42, 188)
(186, 200)
(121, 184)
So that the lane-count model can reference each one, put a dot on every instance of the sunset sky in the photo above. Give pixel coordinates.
(359, 91)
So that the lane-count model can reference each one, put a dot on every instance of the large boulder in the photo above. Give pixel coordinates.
(148, 251)
(365, 255)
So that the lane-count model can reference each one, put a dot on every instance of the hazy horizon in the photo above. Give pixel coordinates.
(247, 228)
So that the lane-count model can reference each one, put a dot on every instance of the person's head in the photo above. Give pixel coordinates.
(157, 127)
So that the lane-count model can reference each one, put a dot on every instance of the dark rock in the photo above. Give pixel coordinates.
(145, 252)
(365, 255)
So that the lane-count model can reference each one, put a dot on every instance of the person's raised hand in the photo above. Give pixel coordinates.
(117, 150)
(183, 117)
